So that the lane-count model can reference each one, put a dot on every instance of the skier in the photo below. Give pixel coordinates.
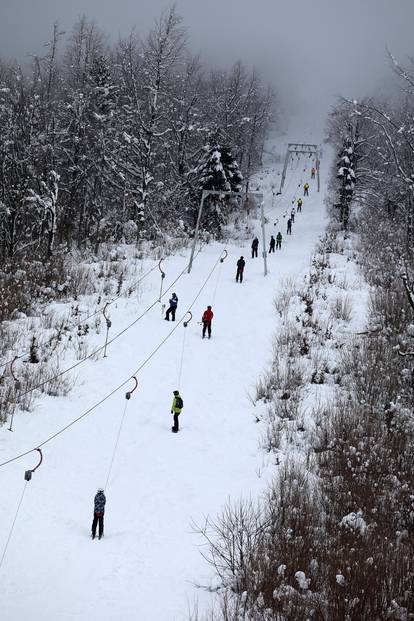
(279, 241)
(306, 189)
(98, 513)
(300, 203)
(240, 269)
(313, 171)
(292, 215)
(173, 307)
(255, 245)
(206, 321)
(289, 227)
(176, 407)
(272, 244)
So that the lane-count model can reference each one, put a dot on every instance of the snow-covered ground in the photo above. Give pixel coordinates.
(149, 561)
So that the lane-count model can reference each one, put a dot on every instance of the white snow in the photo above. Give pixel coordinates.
(281, 570)
(302, 580)
(149, 560)
(354, 521)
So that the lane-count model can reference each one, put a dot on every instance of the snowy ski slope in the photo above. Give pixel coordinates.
(149, 561)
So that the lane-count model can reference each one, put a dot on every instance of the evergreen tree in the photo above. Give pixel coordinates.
(218, 172)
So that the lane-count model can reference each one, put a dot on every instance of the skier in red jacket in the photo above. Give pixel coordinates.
(206, 320)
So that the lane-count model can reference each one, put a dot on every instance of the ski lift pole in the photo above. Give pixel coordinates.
(17, 386)
(263, 238)
(317, 162)
(282, 180)
(108, 325)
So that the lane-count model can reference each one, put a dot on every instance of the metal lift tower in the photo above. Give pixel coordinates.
(302, 148)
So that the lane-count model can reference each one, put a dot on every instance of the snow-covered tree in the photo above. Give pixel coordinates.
(218, 171)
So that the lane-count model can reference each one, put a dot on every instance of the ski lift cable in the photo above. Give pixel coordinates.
(286, 191)
(122, 384)
(121, 424)
(127, 397)
(182, 318)
(98, 311)
(27, 477)
(114, 450)
(107, 342)
(185, 324)
(222, 259)
(6, 545)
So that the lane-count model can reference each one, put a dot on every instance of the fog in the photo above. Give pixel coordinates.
(311, 50)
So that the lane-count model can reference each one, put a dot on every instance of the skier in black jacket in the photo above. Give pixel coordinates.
(272, 244)
(255, 245)
(172, 308)
(98, 513)
(240, 269)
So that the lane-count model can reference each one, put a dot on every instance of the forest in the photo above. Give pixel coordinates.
(105, 143)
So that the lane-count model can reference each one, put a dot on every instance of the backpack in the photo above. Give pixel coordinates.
(179, 403)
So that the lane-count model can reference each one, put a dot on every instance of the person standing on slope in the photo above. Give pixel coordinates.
(289, 227)
(306, 189)
(279, 241)
(176, 407)
(272, 244)
(313, 171)
(206, 321)
(300, 203)
(292, 215)
(172, 308)
(240, 269)
(255, 245)
(98, 513)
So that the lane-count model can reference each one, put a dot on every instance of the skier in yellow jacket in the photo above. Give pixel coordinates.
(176, 407)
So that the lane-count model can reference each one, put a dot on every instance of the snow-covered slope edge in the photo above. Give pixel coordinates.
(331, 538)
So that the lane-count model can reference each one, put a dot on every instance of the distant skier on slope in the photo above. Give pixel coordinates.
(272, 244)
(206, 321)
(240, 269)
(313, 171)
(176, 407)
(98, 513)
(292, 215)
(300, 203)
(289, 227)
(279, 241)
(306, 189)
(173, 307)
(255, 245)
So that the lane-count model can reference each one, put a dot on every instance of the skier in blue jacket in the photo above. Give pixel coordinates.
(172, 308)
(98, 513)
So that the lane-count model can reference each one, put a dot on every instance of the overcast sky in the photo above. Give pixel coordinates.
(312, 50)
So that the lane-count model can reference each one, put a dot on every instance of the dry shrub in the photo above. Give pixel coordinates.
(284, 297)
(342, 308)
